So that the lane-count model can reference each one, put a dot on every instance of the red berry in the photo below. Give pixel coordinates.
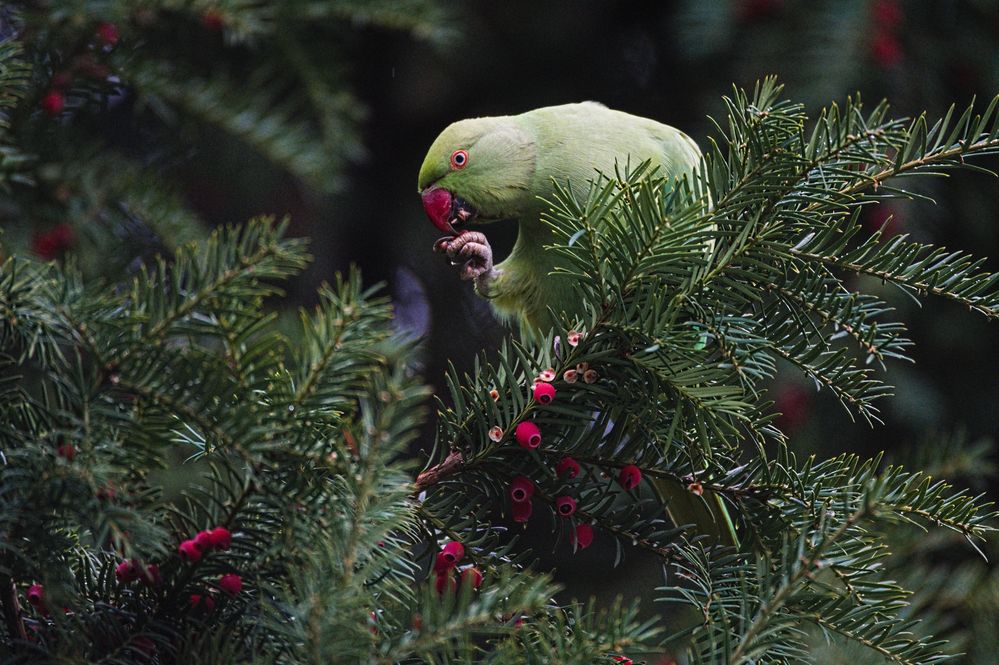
(443, 563)
(886, 50)
(472, 576)
(231, 583)
(127, 571)
(189, 551)
(221, 538)
(53, 102)
(521, 489)
(51, 244)
(565, 506)
(629, 477)
(107, 34)
(151, 575)
(624, 660)
(544, 393)
(202, 602)
(444, 580)
(453, 552)
(582, 536)
(567, 467)
(67, 451)
(204, 541)
(212, 20)
(36, 595)
(521, 511)
(528, 435)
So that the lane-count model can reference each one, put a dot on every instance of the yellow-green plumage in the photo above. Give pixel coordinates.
(513, 163)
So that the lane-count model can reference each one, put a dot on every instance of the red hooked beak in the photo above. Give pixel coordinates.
(446, 211)
(437, 204)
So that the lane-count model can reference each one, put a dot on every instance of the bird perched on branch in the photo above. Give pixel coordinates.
(505, 168)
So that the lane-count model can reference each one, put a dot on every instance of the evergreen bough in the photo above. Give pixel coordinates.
(137, 413)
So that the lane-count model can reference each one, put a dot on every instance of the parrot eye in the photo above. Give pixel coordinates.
(458, 159)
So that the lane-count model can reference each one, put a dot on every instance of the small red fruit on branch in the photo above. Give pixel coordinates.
(189, 551)
(521, 489)
(472, 576)
(528, 435)
(53, 102)
(107, 34)
(565, 506)
(567, 467)
(231, 584)
(582, 536)
(544, 393)
(629, 477)
(521, 511)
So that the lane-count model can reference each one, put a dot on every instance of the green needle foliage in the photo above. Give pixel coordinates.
(136, 413)
(108, 107)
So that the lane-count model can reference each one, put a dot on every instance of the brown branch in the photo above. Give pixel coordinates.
(435, 474)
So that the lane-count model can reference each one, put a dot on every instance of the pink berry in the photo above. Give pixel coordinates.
(444, 580)
(453, 552)
(582, 536)
(544, 393)
(212, 19)
(221, 538)
(521, 511)
(202, 602)
(472, 576)
(36, 595)
(107, 34)
(528, 435)
(443, 563)
(53, 102)
(629, 477)
(204, 541)
(521, 489)
(189, 551)
(231, 583)
(567, 467)
(151, 575)
(127, 571)
(565, 506)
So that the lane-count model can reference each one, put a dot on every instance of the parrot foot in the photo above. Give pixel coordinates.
(471, 250)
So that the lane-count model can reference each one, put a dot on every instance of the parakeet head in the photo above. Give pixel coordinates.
(479, 169)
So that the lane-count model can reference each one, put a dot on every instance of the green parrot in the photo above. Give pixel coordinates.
(501, 168)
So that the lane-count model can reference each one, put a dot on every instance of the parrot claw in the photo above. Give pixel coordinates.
(440, 245)
(471, 250)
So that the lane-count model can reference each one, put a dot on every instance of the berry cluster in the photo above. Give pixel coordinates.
(527, 434)
(131, 570)
(445, 565)
(193, 549)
